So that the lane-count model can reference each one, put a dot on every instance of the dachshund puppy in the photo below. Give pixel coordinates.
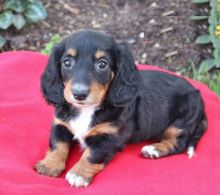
(102, 101)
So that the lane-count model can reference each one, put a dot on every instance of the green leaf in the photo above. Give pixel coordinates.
(211, 31)
(2, 41)
(206, 65)
(217, 57)
(200, 1)
(203, 39)
(216, 44)
(216, 53)
(6, 19)
(31, 1)
(36, 12)
(213, 20)
(19, 21)
(15, 5)
(199, 17)
(213, 3)
(48, 47)
(217, 62)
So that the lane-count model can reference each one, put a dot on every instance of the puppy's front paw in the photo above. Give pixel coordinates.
(76, 180)
(49, 168)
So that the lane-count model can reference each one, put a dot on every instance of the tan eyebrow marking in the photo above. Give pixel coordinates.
(72, 52)
(99, 54)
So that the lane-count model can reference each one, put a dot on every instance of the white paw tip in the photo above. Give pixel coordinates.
(191, 152)
(150, 151)
(75, 180)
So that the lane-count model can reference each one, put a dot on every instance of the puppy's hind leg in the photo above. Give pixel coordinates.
(198, 133)
(185, 132)
(168, 145)
(176, 140)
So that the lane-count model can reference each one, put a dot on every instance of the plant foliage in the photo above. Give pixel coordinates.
(213, 36)
(212, 79)
(209, 71)
(18, 13)
(48, 47)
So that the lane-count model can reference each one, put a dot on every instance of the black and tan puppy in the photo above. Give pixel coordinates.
(104, 102)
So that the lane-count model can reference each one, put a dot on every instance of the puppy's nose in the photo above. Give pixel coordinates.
(80, 91)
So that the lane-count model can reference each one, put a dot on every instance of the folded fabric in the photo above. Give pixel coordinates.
(25, 121)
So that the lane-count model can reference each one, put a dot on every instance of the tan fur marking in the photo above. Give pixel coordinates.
(113, 76)
(169, 141)
(68, 91)
(72, 52)
(172, 132)
(99, 54)
(165, 146)
(98, 92)
(86, 169)
(54, 161)
(104, 128)
(57, 121)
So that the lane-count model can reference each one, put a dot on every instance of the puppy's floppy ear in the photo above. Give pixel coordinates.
(125, 83)
(51, 82)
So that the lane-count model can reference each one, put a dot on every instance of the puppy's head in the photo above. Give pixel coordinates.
(87, 68)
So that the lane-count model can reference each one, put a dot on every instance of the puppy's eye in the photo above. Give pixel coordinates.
(102, 65)
(67, 63)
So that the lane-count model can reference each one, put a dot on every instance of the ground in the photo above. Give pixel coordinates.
(159, 31)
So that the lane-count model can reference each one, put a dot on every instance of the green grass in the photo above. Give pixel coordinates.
(212, 78)
(53, 41)
(214, 84)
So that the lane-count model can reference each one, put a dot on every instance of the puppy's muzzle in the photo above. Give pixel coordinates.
(80, 91)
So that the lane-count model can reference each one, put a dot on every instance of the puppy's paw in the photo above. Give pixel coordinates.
(49, 168)
(150, 152)
(75, 180)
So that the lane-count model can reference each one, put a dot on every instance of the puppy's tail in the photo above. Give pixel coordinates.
(198, 133)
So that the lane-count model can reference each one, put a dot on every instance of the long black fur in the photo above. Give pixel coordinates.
(51, 81)
(140, 104)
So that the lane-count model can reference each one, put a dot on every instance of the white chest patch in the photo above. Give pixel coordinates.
(81, 124)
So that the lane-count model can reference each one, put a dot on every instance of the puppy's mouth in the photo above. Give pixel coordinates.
(83, 104)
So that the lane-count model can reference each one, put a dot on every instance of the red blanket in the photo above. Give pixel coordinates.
(24, 130)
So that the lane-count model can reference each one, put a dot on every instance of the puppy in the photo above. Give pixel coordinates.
(102, 101)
